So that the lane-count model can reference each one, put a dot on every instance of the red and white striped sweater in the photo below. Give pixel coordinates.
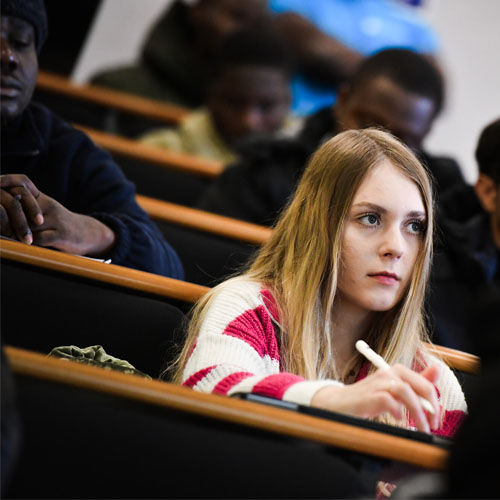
(237, 351)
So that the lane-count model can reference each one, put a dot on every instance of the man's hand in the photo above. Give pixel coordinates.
(33, 217)
(71, 232)
(19, 207)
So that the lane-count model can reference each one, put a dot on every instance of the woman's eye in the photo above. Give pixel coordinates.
(369, 219)
(416, 226)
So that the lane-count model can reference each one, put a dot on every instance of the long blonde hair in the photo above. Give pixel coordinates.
(300, 263)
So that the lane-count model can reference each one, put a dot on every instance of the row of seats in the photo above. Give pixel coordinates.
(113, 439)
(93, 302)
(134, 438)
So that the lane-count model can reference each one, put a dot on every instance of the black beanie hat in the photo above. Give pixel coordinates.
(33, 12)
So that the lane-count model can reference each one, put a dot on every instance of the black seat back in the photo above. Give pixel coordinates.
(43, 309)
(162, 183)
(207, 258)
(80, 443)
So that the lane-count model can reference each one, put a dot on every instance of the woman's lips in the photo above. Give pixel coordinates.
(385, 279)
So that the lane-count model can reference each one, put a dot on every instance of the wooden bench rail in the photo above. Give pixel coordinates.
(107, 273)
(159, 285)
(172, 160)
(458, 360)
(204, 221)
(109, 98)
(245, 413)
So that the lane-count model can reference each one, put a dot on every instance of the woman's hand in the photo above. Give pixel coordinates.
(388, 390)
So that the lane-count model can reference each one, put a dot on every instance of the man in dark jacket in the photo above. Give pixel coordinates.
(57, 189)
(466, 271)
(396, 89)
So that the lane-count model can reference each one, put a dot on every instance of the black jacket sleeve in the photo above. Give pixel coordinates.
(97, 187)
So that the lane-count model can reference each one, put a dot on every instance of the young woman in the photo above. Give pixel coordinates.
(348, 259)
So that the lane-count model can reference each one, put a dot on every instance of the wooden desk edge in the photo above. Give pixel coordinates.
(108, 273)
(172, 160)
(205, 221)
(231, 410)
(107, 97)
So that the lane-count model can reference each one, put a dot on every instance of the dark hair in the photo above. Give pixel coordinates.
(409, 70)
(488, 151)
(254, 46)
(33, 12)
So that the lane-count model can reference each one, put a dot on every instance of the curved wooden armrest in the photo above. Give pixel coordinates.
(240, 412)
(458, 360)
(204, 221)
(109, 98)
(172, 160)
(106, 273)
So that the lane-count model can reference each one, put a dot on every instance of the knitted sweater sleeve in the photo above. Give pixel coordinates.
(451, 399)
(237, 350)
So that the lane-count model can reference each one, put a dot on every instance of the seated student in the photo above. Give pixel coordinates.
(58, 189)
(396, 89)
(178, 54)
(330, 37)
(248, 96)
(348, 259)
(466, 269)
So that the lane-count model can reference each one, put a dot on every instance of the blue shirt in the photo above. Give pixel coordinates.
(366, 26)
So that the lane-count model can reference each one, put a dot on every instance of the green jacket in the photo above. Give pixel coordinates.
(95, 356)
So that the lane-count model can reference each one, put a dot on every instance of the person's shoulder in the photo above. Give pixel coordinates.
(238, 299)
(239, 289)
(50, 121)
(459, 203)
(444, 169)
(278, 153)
(52, 128)
(45, 119)
(166, 138)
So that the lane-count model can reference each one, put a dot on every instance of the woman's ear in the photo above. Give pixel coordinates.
(487, 192)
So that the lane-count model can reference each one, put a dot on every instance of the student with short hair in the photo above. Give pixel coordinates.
(466, 270)
(395, 89)
(248, 97)
(348, 259)
(57, 189)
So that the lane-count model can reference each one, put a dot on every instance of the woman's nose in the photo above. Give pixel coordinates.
(392, 245)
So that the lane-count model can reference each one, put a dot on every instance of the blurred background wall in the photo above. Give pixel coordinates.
(470, 41)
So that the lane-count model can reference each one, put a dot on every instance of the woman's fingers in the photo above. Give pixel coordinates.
(404, 393)
(421, 386)
(385, 402)
(391, 390)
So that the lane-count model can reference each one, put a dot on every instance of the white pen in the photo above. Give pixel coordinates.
(380, 362)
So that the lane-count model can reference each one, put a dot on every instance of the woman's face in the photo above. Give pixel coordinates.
(382, 237)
